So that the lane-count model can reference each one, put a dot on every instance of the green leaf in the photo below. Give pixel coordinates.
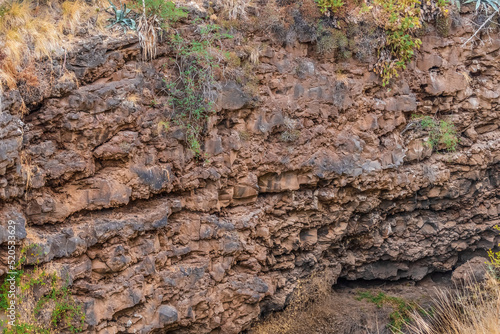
(493, 4)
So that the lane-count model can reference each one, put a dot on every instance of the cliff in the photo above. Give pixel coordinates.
(316, 167)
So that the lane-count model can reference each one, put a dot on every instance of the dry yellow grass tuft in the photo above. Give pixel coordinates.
(29, 31)
(473, 309)
(235, 8)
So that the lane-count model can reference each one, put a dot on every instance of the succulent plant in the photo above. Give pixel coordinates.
(121, 17)
(495, 4)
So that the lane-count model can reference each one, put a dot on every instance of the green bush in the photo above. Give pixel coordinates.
(400, 18)
(326, 5)
(401, 315)
(441, 133)
(166, 11)
(192, 94)
(64, 312)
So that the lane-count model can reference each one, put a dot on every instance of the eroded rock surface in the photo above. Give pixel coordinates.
(155, 240)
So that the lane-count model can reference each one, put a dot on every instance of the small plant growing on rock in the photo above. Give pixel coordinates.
(157, 17)
(400, 18)
(235, 8)
(401, 315)
(192, 94)
(441, 133)
(44, 303)
(291, 133)
(334, 42)
(326, 5)
(495, 257)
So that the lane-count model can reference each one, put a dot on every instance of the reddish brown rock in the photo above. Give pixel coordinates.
(314, 171)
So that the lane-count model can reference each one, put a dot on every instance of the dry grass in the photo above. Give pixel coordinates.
(472, 309)
(74, 13)
(26, 170)
(309, 303)
(148, 37)
(254, 52)
(235, 8)
(131, 101)
(29, 31)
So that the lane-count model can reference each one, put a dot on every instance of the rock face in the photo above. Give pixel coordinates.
(472, 271)
(157, 241)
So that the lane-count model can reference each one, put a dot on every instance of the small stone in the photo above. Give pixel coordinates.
(167, 314)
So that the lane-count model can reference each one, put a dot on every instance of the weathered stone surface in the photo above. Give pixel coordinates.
(232, 97)
(322, 173)
(470, 272)
(167, 315)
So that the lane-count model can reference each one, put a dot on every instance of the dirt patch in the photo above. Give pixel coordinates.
(352, 307)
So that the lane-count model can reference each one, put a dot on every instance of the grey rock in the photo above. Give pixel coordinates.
(167, 315)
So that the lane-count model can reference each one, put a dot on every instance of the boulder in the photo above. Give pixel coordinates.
(474, 270)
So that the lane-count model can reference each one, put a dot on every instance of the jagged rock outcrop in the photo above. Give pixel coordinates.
(156, 240)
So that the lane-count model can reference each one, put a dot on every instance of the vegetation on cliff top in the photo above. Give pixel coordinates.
(383, 32)
(32, 30)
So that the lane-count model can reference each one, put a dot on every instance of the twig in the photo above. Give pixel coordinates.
(481, 27)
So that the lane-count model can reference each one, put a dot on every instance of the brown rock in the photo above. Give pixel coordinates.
(470, 272)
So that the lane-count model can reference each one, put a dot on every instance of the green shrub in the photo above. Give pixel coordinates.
(166, 11)
(440, 133)
(400, 18)
(326, 5)
(64, 312)
(192, 94)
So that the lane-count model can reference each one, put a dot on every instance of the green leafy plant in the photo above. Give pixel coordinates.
(121, 17)
(64, 312)
(166, 11)
(441, 133)
(400, 18)
(495, 257)
(326, 5)
(192, 94)
(495, 4)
